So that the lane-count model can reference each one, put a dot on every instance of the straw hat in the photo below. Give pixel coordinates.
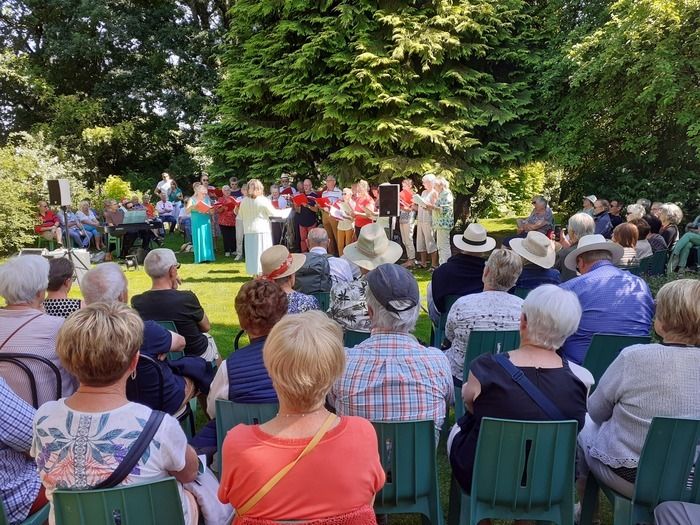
(536, 248)
(591, 243)
(372, 248)
(591, 198)
(474, 240)
(277, 262)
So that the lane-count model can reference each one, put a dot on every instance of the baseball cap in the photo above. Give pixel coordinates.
(394, 287)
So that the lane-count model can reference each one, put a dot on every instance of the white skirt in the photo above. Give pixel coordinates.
(255, 244)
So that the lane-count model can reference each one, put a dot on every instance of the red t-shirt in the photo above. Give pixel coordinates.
(47, 221)
(340, 475)
(225, 213)
(360, 204)
(406, 198)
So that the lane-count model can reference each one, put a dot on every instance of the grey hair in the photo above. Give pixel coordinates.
(505, 266)
(552, 314)
(383, 319)
(331, 177)
(672, 212)
(23, 278)
(105, 283)
(442, 181)
(596, 255)
(637, 211)
(540, 200)
(158, 262)
(428, 177)
(318, 237)
(225, 187)
(581, 224)
(644, 203)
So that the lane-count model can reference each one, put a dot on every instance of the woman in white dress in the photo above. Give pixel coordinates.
(255, 211)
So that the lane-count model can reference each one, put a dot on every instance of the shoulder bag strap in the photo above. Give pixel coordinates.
(18, 329)
(136, 450)
(267, 487)
(530, 389)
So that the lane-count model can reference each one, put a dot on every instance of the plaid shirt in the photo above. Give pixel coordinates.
(392, 377)
(19, 480)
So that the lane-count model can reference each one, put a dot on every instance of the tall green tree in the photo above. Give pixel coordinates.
(376, 90)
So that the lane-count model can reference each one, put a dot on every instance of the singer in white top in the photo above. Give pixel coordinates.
(425, 236)
(333, 194)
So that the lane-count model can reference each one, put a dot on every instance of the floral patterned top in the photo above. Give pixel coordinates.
(300, 302)
(443, 217)
(349, 306)
(78, 450)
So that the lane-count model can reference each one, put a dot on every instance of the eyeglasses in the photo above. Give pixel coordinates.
(205, 180)
(176, 266)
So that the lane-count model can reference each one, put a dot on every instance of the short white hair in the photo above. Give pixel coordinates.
(23, 278)
(581, 224)
(672, 212)
(318, 237)
(442, 181)
(637, 211)
(383, 319)
(428, 177)
(552, 315)
(158, 262)
(105, 283)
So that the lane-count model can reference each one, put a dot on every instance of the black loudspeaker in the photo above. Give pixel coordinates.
(389, 200)
(59, 192)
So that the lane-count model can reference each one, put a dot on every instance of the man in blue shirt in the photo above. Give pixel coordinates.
(613, 301)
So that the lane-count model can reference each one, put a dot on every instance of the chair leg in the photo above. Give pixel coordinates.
(590, 501)
(455, 504)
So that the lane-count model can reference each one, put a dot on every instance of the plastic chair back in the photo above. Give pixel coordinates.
(173, 355)
(25, 384)
(524, 470)
(438, 333)
(645, 264)
(352, 338)
(156, 503)
(324, 299)
(38, 518)
(657, 266)
(604, 349)
(407, 454)
(521, 292)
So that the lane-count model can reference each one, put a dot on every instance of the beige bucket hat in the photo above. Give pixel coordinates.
(372, 248)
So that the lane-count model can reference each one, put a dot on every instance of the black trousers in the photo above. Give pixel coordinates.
(228, 233)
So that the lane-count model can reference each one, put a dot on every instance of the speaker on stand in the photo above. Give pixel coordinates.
(389, 206)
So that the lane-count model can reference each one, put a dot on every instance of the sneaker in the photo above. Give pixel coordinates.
(227, 254)
(238, 257)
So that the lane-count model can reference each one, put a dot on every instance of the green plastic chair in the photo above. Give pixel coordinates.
(156, 503)
(352, 338)
(324, 299)
(437, 333)
(522, 470)
(604, 349)
(657, 266)
(667, 471)
(644, 265)
(38, 518)
(407, 454)
(41, 242)
(175, 354)
(485, 342)
(230, 414)
(521, 292)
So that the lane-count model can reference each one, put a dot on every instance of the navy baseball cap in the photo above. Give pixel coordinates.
(394, 287)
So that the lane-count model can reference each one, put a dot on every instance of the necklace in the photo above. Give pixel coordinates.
(300, 414)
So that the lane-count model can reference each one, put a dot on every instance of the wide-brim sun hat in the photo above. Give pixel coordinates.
(536, 248)
(277, 262)
(372, 248)
(591, 243)
(591, 198)
(474, 240)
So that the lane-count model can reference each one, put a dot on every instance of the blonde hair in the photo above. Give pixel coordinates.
(678, 310)
(505, 266)
(98, 343)
(255, 188)
(304, 356)
(363, 186)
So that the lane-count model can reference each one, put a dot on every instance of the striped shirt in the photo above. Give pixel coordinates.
(392, 377)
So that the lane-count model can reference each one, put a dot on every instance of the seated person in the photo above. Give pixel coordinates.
(626, 235)
(540, 220)
(670, 216)
(348, 305)
(21, 493)
(26, 329)
(320, 271)
(579, 225)
(100, 345)
(645, 381)
(89, 220)
(548, 317)
(681, 250)
(341, 475)
(461, 274)
(180, 379)
(677, 513)
(390, 376)
(61, 275)
(280, 266)
(114, 216)
(601, 216)
(78, 234)
(492, 309)
(164, 302)
(538, 252)
(643, 248)
(49, 225)
(656, 240)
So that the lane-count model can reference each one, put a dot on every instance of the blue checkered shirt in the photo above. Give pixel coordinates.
(19, 480)
(613, 302)
(392, 377)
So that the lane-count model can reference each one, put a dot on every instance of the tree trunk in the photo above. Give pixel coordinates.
(463, 202)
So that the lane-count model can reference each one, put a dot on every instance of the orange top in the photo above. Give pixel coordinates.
(340, 475)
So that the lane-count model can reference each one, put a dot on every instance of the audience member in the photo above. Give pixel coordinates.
(49, 226)
(69, 221)
(348, 304)
(677, 513)
(21, 493)
(89, 221)
(538, 251)
(656, 241)
(492, 309)
(626, 235)
(635, 212)
(425, 236)
(681, 250)
(166, 211)
(588, 205)
(61, 277)
(615, 211)
(26, 329)
(340, 473)
(643, 248)
(603, 224)
(280, 266)
(81, 439)
(549, 316)
(390, 376)
(461, 274)
(646, 204)
(541, 219)
(164, 302)
(580, 225)
(656, 208)
(645, 381)
(613, 301)
(670, 216)
(321, 271)
(443, 218)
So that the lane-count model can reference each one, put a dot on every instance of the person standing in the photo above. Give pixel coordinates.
(279, 203)
(333, 194)
(240, 229)
(306, 215)
(443, 218)
(425, 242)
(226, 205)
(346, 226)
(202, 240)
(406, 218)
(176, 198)
(164, 185)
(364, 207)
